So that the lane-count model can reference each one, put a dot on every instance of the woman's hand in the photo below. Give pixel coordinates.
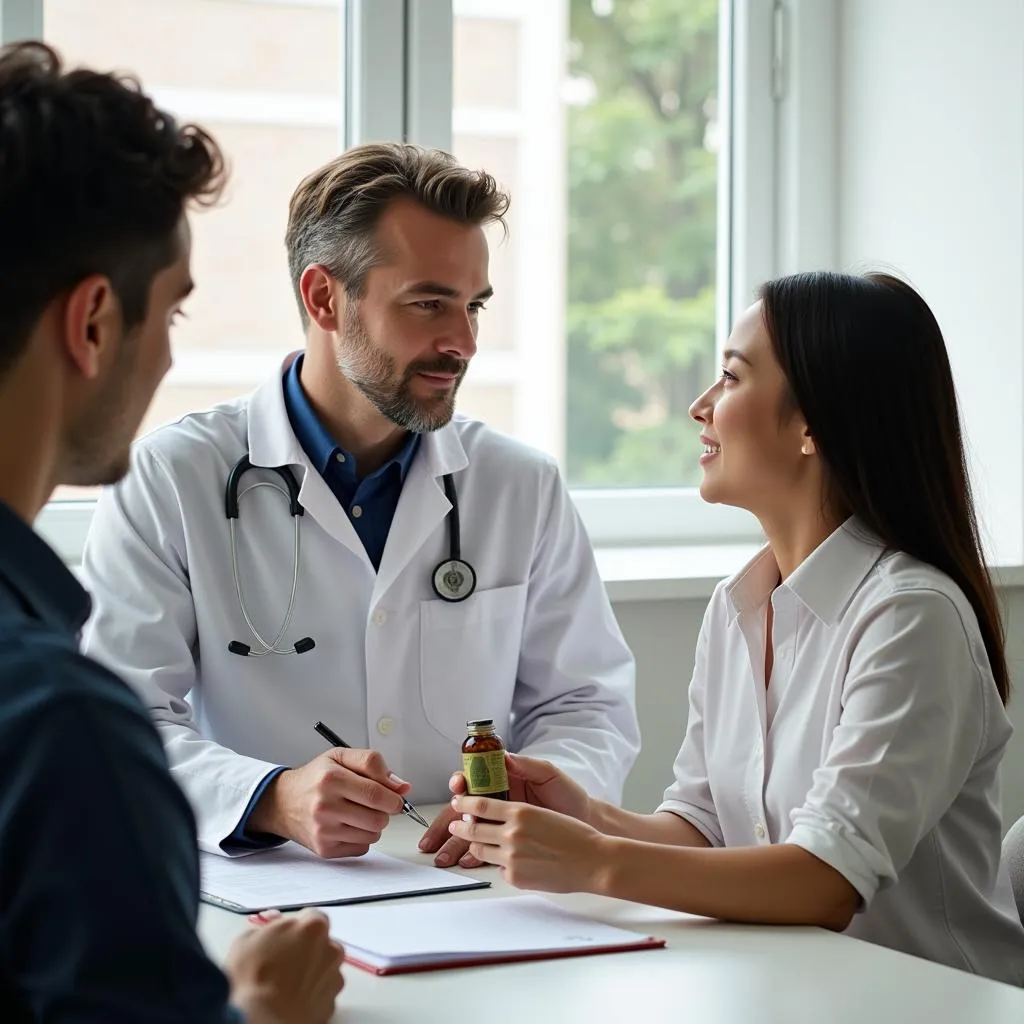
(530, 781)
(540, 783)
(535, 848)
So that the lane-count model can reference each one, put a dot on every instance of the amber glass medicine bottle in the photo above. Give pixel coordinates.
(483, 761)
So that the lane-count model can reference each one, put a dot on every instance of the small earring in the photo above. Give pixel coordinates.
(806, 449)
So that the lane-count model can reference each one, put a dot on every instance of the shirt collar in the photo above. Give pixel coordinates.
(36, 576)
(314, 437)
(824, 582)
(403, 458)
(751, 587)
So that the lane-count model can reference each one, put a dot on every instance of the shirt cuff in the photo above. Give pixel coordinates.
(857, 861)
(704, 823)
(240, 840)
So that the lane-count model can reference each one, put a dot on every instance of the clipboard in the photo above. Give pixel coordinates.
(462, 885)
(290, 877)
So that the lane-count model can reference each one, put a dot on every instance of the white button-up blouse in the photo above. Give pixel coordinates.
(876, 746)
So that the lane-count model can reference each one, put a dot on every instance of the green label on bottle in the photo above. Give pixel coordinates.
(485, 773)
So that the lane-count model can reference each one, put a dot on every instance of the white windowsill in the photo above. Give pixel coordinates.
(647, 572)
(665, 573)
(692, 571)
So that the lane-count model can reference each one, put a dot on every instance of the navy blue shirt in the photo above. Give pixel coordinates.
(99, 875)
(370, 502)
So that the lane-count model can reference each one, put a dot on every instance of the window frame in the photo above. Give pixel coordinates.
(21, 19)
(405, 92)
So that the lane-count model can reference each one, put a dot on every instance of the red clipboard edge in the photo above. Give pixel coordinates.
(506, 958)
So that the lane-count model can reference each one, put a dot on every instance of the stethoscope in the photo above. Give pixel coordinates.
(453, 580)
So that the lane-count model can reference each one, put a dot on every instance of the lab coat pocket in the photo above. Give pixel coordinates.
(469, 658)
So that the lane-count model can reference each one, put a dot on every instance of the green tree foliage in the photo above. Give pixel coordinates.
(642, 231)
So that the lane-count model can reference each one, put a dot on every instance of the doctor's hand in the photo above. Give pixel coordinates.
(535, 848)
(447, 849)
(286, 970)
(337, 805)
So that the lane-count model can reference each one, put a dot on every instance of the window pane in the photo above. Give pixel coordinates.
(604, 315)
(265, 78)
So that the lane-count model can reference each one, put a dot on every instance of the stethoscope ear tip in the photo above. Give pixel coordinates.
(244, 650)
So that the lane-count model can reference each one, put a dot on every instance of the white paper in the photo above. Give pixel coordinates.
(292, 876)
(423, 933)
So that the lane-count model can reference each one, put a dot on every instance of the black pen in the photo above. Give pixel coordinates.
(336, 741)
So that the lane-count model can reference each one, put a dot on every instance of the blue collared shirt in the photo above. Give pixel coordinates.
(100, 889)
(370, 504)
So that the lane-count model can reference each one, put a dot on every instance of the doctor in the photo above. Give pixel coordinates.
(404, 571)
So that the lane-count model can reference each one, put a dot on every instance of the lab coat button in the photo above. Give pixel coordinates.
(380, 616)
(759, 830)
(385, 725)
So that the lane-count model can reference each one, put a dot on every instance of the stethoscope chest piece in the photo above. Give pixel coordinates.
(454, 580)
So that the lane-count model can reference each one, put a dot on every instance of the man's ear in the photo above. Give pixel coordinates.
(320, 297)
(92, 324)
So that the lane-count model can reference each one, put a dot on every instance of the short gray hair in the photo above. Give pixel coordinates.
(333, 214)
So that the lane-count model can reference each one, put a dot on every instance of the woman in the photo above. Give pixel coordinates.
(846, 725)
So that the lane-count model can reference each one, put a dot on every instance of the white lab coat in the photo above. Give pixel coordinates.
(395, 668)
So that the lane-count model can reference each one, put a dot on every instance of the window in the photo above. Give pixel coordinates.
(635, 136)
(664, 156)
(265, 79)
(604, 120)
(608, 120)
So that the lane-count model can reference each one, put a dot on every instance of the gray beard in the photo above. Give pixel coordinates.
(401, 407)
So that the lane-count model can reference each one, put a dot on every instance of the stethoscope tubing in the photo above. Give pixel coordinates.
(451, 569)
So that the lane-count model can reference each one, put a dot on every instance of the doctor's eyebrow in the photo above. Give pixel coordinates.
(443, 290)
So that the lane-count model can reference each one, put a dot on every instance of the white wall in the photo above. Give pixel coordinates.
(931, 181)
(663, 635)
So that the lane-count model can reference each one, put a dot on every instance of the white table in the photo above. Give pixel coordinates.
(709, 973)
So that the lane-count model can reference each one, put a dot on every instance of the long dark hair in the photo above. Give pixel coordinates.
(894, 456)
